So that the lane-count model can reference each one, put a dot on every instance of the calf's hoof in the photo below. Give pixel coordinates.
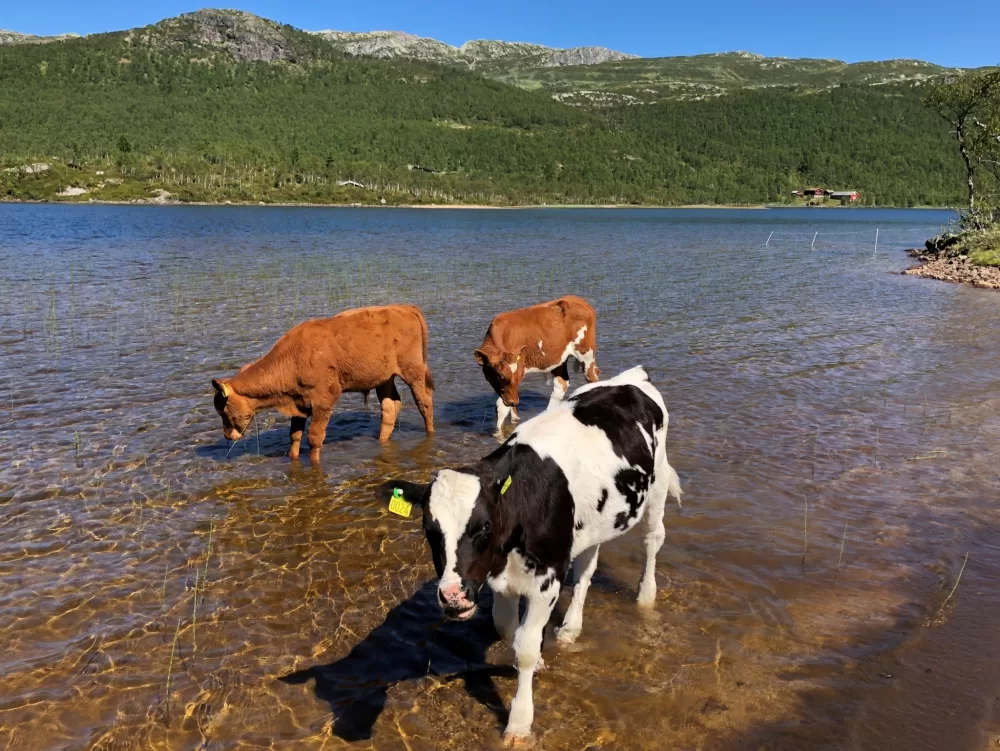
(518, 740)
(646, 599)
(314, 456)
(567, 635)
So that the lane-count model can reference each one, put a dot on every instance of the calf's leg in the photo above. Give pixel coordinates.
(321, 414)
(503, 411)
(583, 571)
(295, 434)
(588, 353)
(388, 396)
(655, 535)
(560, 384)
(422, 395)
(527, 656)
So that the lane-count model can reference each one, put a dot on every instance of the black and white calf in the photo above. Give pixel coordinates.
(579, 474)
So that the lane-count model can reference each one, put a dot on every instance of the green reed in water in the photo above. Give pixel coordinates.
(841, 558)
(805, 532)
(170, 665)
(194, 616)
(208, 556)
(962, 571)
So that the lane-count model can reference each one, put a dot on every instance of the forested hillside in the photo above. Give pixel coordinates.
(252, 111)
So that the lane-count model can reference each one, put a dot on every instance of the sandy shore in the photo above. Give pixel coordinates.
(289, 204)
(959, 270)
(478, 206)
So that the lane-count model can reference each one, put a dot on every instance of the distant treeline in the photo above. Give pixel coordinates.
(204, 126)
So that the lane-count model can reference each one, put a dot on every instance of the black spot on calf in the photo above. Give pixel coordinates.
(604, 499)
(633, 484)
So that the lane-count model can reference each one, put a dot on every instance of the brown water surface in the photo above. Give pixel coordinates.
(835, 427)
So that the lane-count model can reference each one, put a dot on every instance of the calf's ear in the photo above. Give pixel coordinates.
(412, 492)
(502, 472)
(481, 358)
(222, 388)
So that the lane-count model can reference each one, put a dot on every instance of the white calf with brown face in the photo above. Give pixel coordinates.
(581, 473)
(539, 339)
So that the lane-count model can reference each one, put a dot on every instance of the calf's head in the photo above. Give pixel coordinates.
(504, 371)
(236, 411)
(461, 521)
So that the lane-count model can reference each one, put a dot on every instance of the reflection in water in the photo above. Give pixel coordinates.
(835, 426)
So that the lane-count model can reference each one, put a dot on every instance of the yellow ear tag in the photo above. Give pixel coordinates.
(506, 484)
(399, 506)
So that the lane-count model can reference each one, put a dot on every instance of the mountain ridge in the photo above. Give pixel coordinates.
(16, 37)
(388, 44)
(499, 56)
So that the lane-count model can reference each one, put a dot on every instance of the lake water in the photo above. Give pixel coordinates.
(835, 426)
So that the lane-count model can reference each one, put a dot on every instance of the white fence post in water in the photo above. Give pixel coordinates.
(814, 241)
(769, 239)
(876, 241)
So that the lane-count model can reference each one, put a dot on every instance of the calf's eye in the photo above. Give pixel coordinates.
(486, 528)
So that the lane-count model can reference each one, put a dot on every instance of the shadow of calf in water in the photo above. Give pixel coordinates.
(411, 643)
(346, 425)
(477, 413)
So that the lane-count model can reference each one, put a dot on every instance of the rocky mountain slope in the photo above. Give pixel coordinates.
(695, 77)
(389, 44)
(243, 36)
(13, 37)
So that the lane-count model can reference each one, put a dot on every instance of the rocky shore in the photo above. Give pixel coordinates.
(949, 260)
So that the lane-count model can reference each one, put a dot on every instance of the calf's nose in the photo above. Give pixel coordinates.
(456, 596)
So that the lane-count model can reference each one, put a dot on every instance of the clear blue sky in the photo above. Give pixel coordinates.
(962, 34)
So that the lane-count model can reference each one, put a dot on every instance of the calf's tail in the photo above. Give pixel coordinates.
(428, 378)
(423, 334)
(673, 484)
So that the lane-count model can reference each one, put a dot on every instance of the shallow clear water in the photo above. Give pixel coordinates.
(835, 426)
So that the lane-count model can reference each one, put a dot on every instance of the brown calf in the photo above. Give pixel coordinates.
(306, 371)
(539, 339)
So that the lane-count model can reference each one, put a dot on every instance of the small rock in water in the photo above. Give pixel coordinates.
(713, 706)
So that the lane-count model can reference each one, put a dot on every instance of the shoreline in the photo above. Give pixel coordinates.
(956, 270)
(462, 206)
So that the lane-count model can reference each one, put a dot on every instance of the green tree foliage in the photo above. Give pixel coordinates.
(206, 126)
(971, 106)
